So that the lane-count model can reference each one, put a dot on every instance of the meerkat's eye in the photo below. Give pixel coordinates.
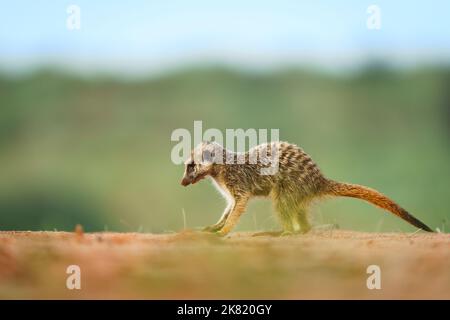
(191, 166)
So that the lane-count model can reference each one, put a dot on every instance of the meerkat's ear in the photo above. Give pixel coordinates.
(213, 153)
(206, 143)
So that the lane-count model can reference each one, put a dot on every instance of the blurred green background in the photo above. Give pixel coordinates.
(87, 109)
(96, 150)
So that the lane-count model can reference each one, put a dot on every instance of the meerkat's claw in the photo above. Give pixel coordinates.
(212, 228)
(214, 231)
(221, 233)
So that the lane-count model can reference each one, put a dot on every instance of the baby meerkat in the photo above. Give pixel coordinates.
(294, 183)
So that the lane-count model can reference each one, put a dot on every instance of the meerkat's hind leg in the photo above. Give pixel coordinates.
(299, 226)
(294, 219)
(285, 216)
(303, 221)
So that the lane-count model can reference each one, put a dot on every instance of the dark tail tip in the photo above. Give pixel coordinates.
(417, 223)
(427, 229)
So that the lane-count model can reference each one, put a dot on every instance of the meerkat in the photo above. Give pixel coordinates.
(292, 187)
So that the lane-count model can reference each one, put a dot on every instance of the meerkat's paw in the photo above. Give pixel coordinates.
(287, 233)
(221, 233)
(213, 228)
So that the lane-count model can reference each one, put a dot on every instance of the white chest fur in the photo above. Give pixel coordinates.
(223, 191)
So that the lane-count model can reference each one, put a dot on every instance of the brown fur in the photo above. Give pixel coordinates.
(376, 198)
(297, 182)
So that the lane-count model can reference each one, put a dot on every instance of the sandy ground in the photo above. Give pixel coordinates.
(323, 264)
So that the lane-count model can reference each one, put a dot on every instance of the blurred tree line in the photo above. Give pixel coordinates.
(96, 150)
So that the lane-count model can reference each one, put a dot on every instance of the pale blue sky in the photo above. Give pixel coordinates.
(147, 36)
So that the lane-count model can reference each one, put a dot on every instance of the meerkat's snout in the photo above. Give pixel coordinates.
(189, 174)
(200, 164)
(185, 182)
(194, 172)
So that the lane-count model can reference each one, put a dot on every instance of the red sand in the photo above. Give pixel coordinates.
(326, 264)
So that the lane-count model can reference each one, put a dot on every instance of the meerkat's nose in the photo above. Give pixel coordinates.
(184, 182)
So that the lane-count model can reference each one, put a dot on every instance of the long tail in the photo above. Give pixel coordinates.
(374, 197)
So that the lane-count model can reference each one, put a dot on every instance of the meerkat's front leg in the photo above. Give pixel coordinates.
(237, 210)
(219, 225)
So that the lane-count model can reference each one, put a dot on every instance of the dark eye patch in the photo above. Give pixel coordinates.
(191, 166)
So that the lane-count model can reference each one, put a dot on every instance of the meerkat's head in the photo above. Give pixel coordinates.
(201, 162)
